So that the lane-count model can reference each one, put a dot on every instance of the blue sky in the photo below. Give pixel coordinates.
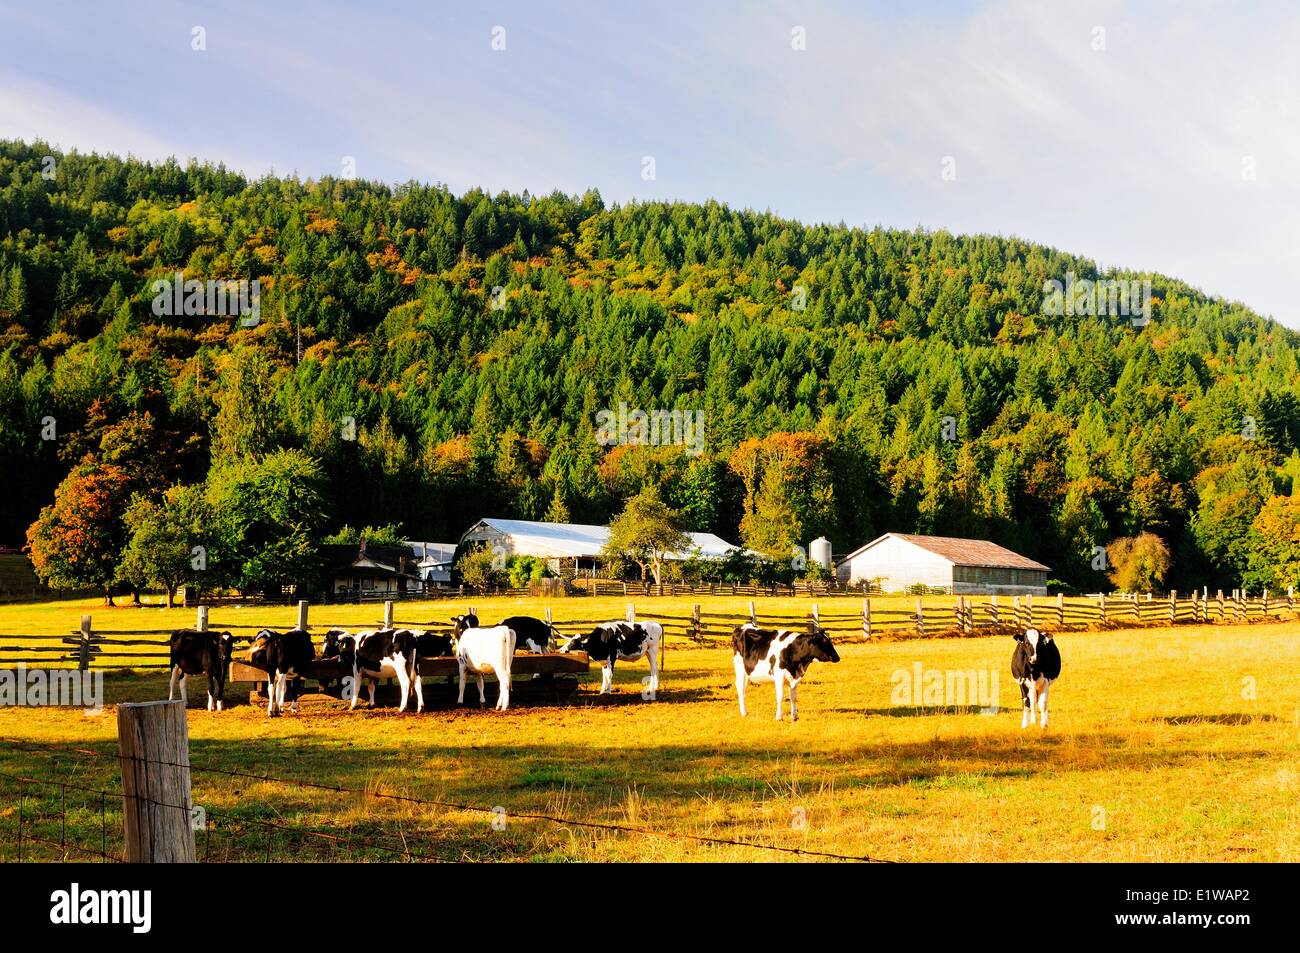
(1168, 141)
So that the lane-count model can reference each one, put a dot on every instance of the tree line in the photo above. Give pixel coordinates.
(426, 358)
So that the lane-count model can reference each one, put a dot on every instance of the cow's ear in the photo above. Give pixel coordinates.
(1019, 636)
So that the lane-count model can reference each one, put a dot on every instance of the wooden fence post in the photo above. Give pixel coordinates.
(816, 616)
(153, 748)
(993, 609)
(302, 614)
(866, 618)
(752, 618)
(1264, 603)
(1101, 607)
(631, 612)
(1060, 610)
(201, 619)
(83, 647)
(1218, 598)
(1290, 600)
(1029, 610)
(388, 613)
(1173, 605)
(1018, 625)
(695, 623)
(920, 619)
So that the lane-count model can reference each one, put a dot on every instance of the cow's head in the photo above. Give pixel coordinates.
(226, 646)
(462, 622)
(1030, 640)
(820, 645)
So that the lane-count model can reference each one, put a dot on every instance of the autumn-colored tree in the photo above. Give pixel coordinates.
(1138, 563)
(1274, 561)
(169, 541)
(78, 539)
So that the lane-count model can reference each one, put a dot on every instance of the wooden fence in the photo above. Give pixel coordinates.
(887, 617)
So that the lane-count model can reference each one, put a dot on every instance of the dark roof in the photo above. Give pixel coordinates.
(963, 552)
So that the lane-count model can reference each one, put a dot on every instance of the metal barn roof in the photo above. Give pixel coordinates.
(576, 539)
(961, 552)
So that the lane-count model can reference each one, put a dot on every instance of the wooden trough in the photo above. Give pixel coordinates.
(557, 679)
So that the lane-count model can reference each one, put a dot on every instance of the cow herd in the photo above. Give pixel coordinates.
(779, 656)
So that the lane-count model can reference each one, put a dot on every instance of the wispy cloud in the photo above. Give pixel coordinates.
(1132, 153)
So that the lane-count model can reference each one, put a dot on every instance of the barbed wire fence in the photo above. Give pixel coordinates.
(35, 814)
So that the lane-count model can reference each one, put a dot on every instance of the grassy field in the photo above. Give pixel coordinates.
(1165, 745)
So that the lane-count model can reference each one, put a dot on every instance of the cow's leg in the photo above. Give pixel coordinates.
(1042, 703)
(212, 697)
(778, 679)
(652, 653)
(794, 699)
(418, 684)
(372, 685)
(460, 699)
(607, 677)
(356, 688)
(742, 679)
(1031, 699)
(1024, 703)
(176, 674)
(482, 695)
(403, 686)
(503, 683)
(217, 687)
(274, 689)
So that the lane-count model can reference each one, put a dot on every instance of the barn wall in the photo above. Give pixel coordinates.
(899, 564)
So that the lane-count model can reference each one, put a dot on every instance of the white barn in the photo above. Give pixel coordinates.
(571, 545)
(898, 561)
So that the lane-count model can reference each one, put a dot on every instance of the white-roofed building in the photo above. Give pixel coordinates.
(571, 545)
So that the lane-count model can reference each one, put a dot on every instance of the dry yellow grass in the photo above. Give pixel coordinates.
(1165, 745)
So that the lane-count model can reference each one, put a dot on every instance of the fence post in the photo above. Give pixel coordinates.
(631, 612)
(816, 617)
(153, 748)
(993, 609)
(1060, 610)
(1018, 625)
(1173, 605)
(83, 647)
(752, 618)
(388, 613)
(201, 619)
(920, 619)
(866, 618)
(1101, 607)
(302, 614)
(695, 622)
(1290, 600)
(1218, 597)
(1264, 603)
(1029, 610)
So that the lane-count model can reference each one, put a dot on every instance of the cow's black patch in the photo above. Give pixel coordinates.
(526, 629)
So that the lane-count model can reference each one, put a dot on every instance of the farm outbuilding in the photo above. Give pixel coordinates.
(898, 561)
(571, 546)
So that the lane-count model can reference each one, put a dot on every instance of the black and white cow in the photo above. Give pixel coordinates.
(284, 656)
(781, 656)
(338, 646)
(385, 653)
(486, 650)
(612, 642)
(1035, 664)
(201, 653)
(534, 634)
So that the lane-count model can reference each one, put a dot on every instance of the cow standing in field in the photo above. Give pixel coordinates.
(201, 653)
(536, 635)
(1035, 664)
(385, 653)
(486, 650)
(612, 642)
(283, 656)
(781, 656)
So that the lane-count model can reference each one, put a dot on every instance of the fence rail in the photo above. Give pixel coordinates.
(871, 618)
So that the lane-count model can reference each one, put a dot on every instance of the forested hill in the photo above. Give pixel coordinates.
(824, 359)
